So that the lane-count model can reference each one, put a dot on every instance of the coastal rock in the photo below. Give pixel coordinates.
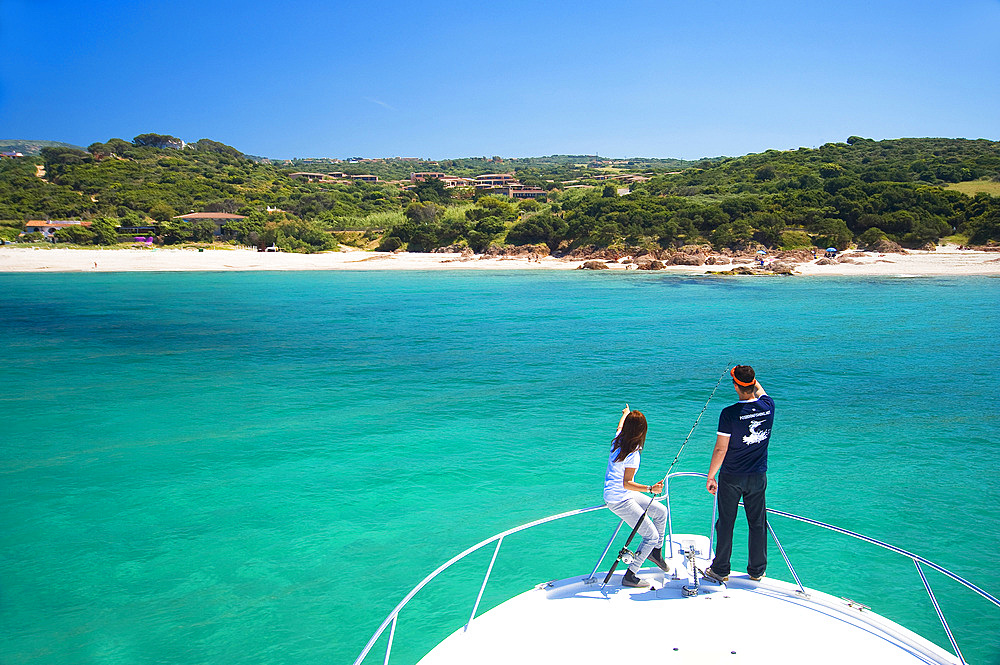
(826, 262)
(652, 265)
(798, 255)
(594, 265)
(738, 270)
(885, 246)
(782, 268)
(683, 259)
(454, 249)
(591, 253)
(716, 260)
(516, 251)
(541, 249)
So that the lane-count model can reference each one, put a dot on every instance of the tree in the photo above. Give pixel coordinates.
(64, 156)
(423, 213)
(203, 230)
(228, 205)
(766, 172)
(870, 237)
(298, 235)
(543, 228)
(831, 170)
(208, 145)
(492, 206)
(118, 146)
(158, 141)
(175, 231)
(485, 231)
(99, 150)
(734, 235)
(105, 231)
(985, 227)
(77, 234)
(432, 190)
(389, 244)
(769, 228)
(834, 233)
(161, 212)
(926, 230)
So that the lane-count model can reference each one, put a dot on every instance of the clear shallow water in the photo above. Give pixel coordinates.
(255, 468)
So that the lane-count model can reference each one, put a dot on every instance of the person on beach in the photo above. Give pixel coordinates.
(623, 495)
(740, 459)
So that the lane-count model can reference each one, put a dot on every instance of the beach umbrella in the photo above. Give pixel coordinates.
(761, 251)
(831, 249)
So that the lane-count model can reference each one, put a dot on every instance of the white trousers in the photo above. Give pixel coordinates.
(652, 528)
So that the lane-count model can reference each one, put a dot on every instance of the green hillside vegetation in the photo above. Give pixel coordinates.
(841, 193)
(857, 192)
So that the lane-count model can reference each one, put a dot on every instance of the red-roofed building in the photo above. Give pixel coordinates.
(523, 192)
(456, 181)
(48, 227)
(424, 175)
(494, 180)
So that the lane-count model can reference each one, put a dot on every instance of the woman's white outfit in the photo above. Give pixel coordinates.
(629, 506)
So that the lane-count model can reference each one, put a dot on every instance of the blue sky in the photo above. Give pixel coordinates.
(515, 79)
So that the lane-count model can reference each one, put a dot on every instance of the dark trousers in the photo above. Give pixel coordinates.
(749, 487)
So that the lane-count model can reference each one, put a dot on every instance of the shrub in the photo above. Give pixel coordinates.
(390, 244)
(834, 233)
(78, 234)
(870, 237)
(795, 240)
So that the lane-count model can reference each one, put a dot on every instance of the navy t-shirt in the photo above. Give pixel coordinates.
(748, 425)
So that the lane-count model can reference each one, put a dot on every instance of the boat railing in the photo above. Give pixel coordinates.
(391, 619)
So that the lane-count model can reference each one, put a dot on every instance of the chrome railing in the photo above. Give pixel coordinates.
(390, 621)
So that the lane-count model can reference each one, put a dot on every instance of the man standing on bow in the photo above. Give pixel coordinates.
(740, 459)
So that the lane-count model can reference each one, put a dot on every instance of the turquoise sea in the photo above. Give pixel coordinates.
(255, 467)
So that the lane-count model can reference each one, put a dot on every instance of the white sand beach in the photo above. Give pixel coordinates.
(946, 260)
(31, 259)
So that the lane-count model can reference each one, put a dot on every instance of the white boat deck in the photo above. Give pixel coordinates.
(572, 621)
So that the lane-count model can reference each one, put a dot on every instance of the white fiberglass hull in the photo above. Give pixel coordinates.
(573, 621)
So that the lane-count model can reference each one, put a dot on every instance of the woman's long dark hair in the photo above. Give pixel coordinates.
(632, 437)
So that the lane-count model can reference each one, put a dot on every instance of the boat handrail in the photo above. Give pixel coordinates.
(498, 539)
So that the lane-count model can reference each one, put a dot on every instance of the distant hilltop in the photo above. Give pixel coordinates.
(32, 148)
